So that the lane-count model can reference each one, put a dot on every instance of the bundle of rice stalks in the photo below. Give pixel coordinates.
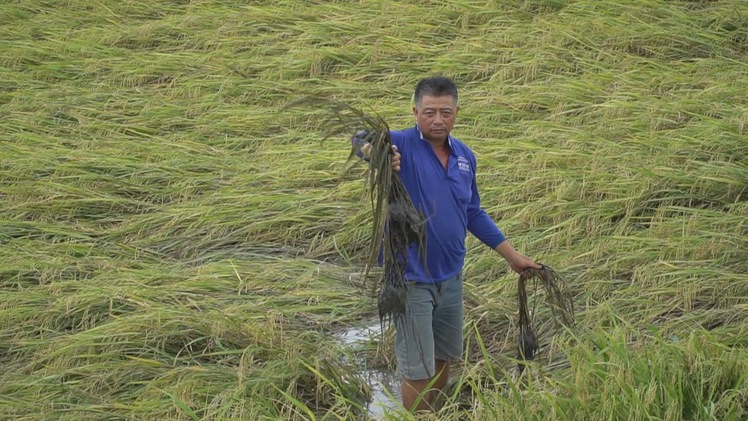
(396, 224)
(559, 300)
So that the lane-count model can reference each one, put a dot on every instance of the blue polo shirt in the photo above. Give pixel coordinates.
(449, 200)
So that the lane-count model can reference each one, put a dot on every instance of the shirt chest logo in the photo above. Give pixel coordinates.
(463, 164)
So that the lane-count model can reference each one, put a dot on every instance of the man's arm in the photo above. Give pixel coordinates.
(485, 229)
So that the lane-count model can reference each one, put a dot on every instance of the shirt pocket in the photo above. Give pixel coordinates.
(463, 187)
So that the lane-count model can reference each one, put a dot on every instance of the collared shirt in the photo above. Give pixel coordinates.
(450, 202)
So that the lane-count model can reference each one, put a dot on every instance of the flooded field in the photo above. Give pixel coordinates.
(384, 383)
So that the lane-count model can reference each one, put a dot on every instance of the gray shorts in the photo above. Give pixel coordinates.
(431, 328)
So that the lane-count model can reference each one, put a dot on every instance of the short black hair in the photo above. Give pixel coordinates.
(435, 86)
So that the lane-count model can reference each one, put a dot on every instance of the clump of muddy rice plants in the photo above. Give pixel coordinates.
(396, 224)
(559, 300)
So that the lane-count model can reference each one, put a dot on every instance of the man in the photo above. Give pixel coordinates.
(438, 172)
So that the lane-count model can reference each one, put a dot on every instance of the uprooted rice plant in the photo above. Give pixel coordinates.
(172, 246)
(396, 224)
(559, 299)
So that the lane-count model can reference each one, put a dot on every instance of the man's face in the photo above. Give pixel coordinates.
(435, 116)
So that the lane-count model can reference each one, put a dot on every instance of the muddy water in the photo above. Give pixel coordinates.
(383, 382)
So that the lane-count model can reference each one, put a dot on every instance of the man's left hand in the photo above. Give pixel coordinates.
(519, 262)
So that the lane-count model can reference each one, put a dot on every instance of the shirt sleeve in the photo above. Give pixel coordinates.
(479, 223)
(397, 140)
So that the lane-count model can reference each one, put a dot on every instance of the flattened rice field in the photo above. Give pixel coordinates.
(174, 245)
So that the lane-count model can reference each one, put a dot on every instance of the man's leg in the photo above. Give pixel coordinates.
(442, 370)
(447, 328)
(414, 346)
(413, 390)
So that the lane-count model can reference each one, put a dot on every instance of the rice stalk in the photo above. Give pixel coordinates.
(396, 224)
(557, 296)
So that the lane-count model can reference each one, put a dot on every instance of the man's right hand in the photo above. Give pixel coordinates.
(366, 151)
(395, 159)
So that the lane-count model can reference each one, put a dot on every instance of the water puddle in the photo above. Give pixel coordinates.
(383, 382)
